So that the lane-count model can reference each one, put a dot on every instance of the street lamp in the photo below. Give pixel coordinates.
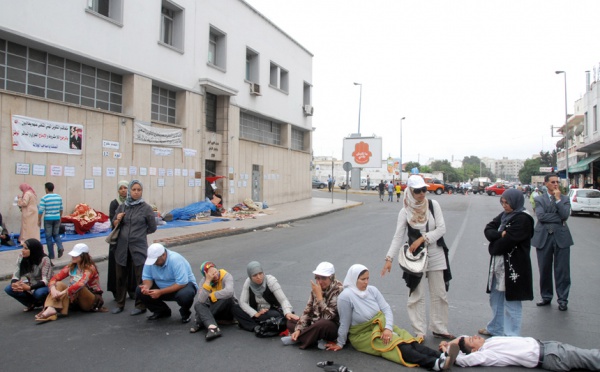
(400, 165)
(566, 132)
(359, 105)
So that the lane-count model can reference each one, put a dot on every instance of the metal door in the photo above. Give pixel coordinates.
(256, 183)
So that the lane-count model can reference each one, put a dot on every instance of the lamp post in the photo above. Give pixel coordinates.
(566, 132)
(359, 105)
(400, 165)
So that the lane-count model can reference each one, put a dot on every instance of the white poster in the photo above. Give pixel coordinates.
(162, 151)
(111, 172)
(97, 171)
(39, 170)
(56, 170)
(122, 171)
(29, 134)
(69, 171)
(150, 135)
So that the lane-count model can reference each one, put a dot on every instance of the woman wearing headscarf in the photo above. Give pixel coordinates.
(422, 222)
(136, 219)
(366, 319)
(28, 204)
(29, 283)
(111, 282)
(509, 275)
(262, 298)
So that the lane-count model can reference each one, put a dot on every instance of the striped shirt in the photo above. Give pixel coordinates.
(51, 204)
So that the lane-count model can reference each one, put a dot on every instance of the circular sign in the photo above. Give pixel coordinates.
(347, 166)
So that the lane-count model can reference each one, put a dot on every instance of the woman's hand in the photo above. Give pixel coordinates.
(416, 244)
(119, 218)
(295, 335)
(332, 346)
(54, 292)
(386, 336)
(503, 233)
(260, 312)
(316, 289)
(387, 267)
(291, 316)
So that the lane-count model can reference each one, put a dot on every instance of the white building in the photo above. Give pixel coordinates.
(233, 89)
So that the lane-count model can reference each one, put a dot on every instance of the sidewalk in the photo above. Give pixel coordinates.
(281, 214)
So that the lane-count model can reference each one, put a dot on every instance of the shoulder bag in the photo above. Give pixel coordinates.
(415, 262)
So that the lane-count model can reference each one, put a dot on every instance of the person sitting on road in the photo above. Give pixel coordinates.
(29, 283)
(262, 298)
(367, 320)
(83, 292)
(216, 300)
(522, 351)
(320, 318)
(167, 276)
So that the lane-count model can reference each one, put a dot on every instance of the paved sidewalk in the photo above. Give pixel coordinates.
(282, 213)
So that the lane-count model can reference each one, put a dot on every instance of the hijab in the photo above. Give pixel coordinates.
(352, 277)
(25, 187)
(515, 199)
(416, 212)
(121, 199)
(129, 201)
(36, 254)
(204, 268)
(254, 268)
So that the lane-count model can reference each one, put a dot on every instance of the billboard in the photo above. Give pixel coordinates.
(362, 152)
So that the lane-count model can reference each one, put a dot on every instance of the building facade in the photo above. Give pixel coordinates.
(170, 92)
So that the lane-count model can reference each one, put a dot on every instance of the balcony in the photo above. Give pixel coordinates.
(591, 143)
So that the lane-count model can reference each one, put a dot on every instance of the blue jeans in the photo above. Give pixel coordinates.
(27, 299)
(51, 229)
(506, 315)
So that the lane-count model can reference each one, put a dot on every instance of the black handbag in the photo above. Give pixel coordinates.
(271, 327)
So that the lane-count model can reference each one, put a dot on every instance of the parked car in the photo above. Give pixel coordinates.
(316, 184)
(434, 185)
(479, 186)
(449, 188)
(495, 190)
(584, 200)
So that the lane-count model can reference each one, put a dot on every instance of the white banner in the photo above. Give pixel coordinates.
(157, 136)
(162, 151)
(29, 134)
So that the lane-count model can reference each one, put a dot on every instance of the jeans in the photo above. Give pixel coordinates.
(506, 315)
(51, 229)
(27, 299)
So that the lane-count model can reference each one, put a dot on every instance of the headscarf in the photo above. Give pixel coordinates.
(416, 212)
(130, 201)
(121, 199)
(352, 277)
(204, 268)
(25, 187)
(515, 199)
(36, 254)
(254, 268)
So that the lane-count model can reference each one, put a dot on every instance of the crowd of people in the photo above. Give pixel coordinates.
(336, 312)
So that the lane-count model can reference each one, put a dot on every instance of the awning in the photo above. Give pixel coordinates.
(583, 165)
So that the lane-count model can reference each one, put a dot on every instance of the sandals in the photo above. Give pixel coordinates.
(196, 328)
(44, 318)
(445, 336)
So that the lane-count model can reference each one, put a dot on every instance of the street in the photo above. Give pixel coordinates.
(103, 341)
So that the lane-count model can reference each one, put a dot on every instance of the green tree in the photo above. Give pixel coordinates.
(450, 174)
(410, 165)
(425, 169)
(548, 159)
(531, 167)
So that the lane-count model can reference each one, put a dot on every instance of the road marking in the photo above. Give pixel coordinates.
(461, 231)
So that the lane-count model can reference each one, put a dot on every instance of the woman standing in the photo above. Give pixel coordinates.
(367, 320)
(28, 204)
(29, 283)
(137, 221)
(83, 292)
(422, 221)
(111, 282)
(262, 298)
(509, 276)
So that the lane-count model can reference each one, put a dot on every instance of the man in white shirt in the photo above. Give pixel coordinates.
(522, 351)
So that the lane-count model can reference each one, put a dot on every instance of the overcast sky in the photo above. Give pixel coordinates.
(471, 77)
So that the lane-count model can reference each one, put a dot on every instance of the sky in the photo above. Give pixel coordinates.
(471, 77)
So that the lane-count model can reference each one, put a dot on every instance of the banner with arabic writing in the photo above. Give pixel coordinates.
(157, 136)
(30, 134)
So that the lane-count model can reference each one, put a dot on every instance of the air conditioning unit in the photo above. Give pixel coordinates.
(255, 89)
(308, 110)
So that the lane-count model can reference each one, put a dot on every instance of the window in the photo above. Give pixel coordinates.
(595, 118)
(585, 124)
(211, 112)
(279, 78)
(31, 71)
(259, 129)
(217, 47)
(251, 66)
(171, 25)
(111, 9)
(163, 104)
(307, 94)
(297, 139)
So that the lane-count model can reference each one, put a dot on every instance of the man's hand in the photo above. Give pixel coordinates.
(144, 289)
(443, 346)
(154, 293)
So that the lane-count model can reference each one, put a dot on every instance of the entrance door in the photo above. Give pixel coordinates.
(256, 183)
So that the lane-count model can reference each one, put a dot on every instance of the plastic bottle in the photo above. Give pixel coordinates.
(16, 201)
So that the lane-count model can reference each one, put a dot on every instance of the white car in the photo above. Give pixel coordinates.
(584, 200)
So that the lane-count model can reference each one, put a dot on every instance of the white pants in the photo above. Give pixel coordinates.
(438, 305)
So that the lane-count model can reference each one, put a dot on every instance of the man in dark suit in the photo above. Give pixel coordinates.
(553, 241)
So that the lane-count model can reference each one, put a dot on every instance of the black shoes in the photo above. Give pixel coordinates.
(213, 333)
(563, 307)
(137, 311)
(186, 318)
(60, 252)
(156, 316)
(543, 303)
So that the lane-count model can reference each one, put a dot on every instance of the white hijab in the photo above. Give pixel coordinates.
(352, 277)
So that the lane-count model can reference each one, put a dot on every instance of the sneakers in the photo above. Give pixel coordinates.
(321, 344)
(447, 359)
(287, 340)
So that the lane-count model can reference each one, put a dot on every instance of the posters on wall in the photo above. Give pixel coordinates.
(149, 135)
(38, 135)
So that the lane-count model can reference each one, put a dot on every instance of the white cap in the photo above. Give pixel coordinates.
(78, 249)
(324, 269)
(416, 182)
(154, 252)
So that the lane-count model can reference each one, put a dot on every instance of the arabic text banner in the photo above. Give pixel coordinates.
(30, 134)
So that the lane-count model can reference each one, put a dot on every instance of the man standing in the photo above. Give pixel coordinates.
(368, 183)
(51, 207)
(390, 187)
(553, 241)
(381, 187)
(167, 276)
(329, 183)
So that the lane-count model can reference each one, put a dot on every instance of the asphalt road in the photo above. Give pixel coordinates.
(100, 342)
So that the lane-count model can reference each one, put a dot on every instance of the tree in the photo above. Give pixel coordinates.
(425, 169)
(450, 174)
(410, 165)
(548, 159)
(531, 167)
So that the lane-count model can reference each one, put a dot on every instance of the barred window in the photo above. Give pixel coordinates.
(31, 71)
(297, 139)
(163, 104)
(259, 129)
(211, 112)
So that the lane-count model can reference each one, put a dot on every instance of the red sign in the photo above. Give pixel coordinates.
(361, 153)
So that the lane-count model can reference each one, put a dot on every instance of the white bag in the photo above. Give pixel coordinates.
(413, 264)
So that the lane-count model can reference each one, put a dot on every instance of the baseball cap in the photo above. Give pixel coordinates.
(78, 249)
(324, 269)
(416, 182)
(154, 252)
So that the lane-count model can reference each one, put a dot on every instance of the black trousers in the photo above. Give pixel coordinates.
(208, 312)
(419, 354)
(184, 298)
(248, 322)
(321, 329)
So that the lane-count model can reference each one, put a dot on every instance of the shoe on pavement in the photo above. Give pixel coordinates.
(287, 340)
(563, 307)
(158, 315)
(117, 310)
(186, 318)
(445, 336)
(60, 252)
(543, 302)
(213, 333)
(451, 357)
(137, 311)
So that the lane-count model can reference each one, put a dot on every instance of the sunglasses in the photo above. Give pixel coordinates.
(319, 277)
(418, 191)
